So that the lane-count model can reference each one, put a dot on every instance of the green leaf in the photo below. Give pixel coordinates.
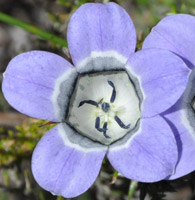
(33, 29)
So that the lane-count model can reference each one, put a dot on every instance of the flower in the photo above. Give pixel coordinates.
(110, 103)
(176, 33)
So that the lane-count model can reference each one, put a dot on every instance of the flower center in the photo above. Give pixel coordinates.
(104, 106)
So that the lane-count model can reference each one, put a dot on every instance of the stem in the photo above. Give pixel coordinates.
(33, 29)
(114, 177)
(132, 188)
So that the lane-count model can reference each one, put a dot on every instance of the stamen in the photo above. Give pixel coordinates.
(94, 103)
(120, 123)
(97, 125)
(105, 135)
(104, 129)
(105, 107)
(112, 98)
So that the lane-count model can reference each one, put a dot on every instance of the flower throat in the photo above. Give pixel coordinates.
(104, 106)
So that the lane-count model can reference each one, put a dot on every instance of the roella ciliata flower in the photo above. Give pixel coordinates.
(176, 33)
(110, 103)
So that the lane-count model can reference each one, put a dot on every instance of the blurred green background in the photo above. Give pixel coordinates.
(19, 134)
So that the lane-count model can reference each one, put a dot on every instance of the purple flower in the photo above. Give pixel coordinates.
(176, 33)
(110, 103)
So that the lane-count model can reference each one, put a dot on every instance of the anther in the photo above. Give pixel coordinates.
(97, 125)
(104, 129)
(120, 123)
(94, 103)
(113, 96)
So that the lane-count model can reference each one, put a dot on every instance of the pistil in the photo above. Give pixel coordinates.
(105, 107)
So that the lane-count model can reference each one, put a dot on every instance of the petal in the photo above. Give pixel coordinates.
(174, 33)
(162, 77)
(150, 155)
(64, 167)
(185, 143)
(181, 119)
(100, 28)
(29, 83)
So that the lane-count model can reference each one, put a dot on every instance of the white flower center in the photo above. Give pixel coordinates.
(104, 106)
